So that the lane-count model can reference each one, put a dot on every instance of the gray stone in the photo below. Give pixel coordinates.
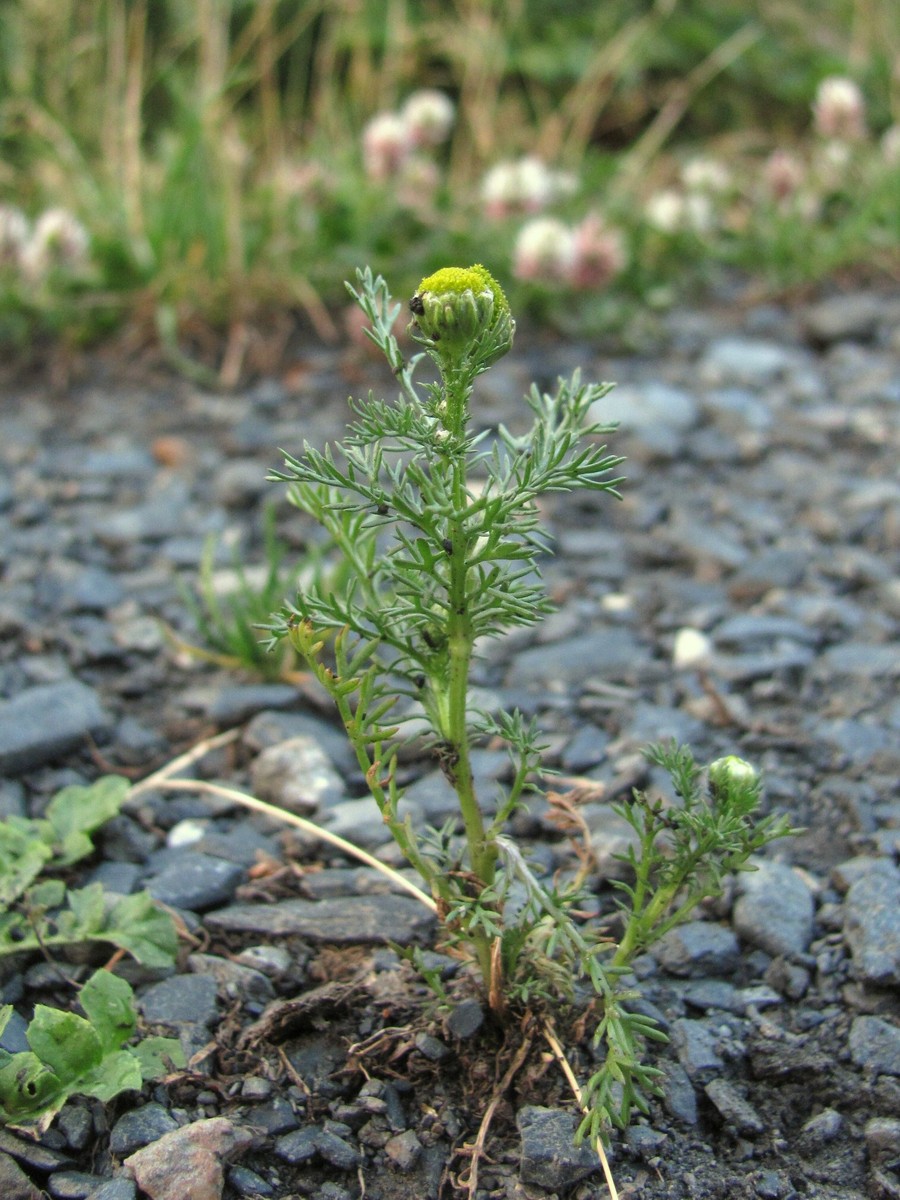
(745, 668)
(276, 1117)
(72, 1185)
(859, 740)
(746, 632)
(76, 1125)
(431, 1047)
(347, 881)
(774, 909)
(196, 882)
(247, 1183)
(657, 413)
(695, 1043)
(698, 948)
(14, 1183)
(13, 1039)
(466, 1019)
(734, 1109)
(296, 775)
(706, 994)
(360, 823)
(239, 484)
(272, 961)
(180, 1000)
(678, 1093)
(271, 728)
(236, 982)
(864, 659)
(821, 1129)
(654, 723)
(599, 654)
(773, 1185)
(232, 705)
(837, 318)
(119, 877)
(12, 799)
(337, 1151)
(404, 1150)
(875, 1045)
(611, 837)
(69, 587)
(845, 874)
(44, 722)
(644, 1142)
(549, 1155)
(139, 1127)
(739, 406)
(744, 360)
(772, 568)
(585, 749)
(882, 1138)
(353, 919)
(116, 1189)
(872, 928)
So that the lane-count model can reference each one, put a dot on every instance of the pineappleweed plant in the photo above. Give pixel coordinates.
(440, 540)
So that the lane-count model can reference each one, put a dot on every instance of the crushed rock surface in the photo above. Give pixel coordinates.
(744, 596)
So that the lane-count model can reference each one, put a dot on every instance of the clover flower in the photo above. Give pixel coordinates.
(783, 175)
(13, 236)
(599, 254)
(526, 185)
(544, 251)
(461, 309)
(417, 182)
(665, 210)
(428, 116)
(671, 211)
(386, 146)
(890, 146)
(706, 175)
(58, 242)
(839, 109)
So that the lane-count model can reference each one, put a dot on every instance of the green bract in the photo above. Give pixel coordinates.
(461, 309)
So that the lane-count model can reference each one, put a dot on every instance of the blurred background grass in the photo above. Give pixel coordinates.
(212, 149)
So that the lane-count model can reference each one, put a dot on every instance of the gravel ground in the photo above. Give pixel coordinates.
(744, 597)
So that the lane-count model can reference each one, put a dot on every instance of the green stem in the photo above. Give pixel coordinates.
(460, 641)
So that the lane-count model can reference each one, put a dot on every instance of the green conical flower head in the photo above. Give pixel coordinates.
(461, 310)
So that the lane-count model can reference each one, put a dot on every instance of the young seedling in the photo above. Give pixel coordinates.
(438, 533)
(86, 1056)
(39, 913)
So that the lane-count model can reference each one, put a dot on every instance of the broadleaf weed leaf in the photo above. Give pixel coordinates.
(108, 1003)
(76, 812)
(66, 1043)
(157, 1056)
(29, 1088)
